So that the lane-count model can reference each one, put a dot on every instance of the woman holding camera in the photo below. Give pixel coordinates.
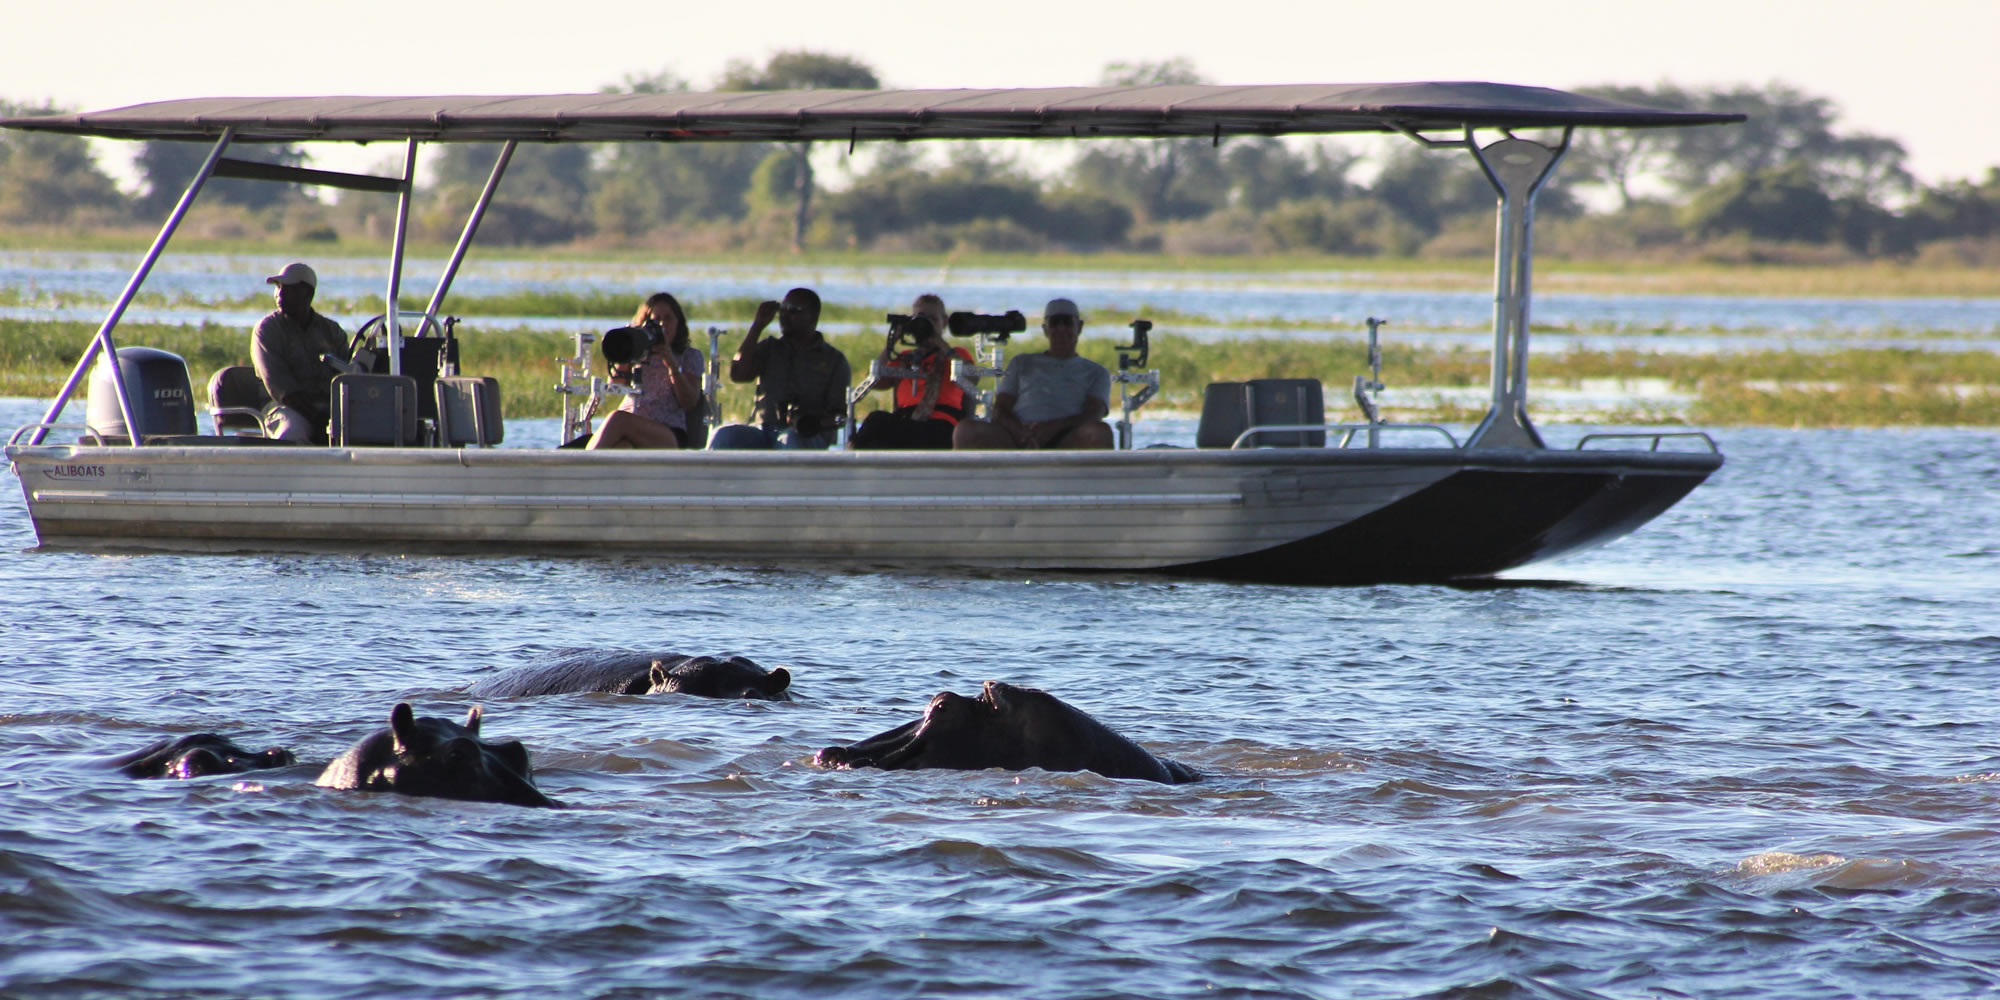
(669, 385)
(928, 405)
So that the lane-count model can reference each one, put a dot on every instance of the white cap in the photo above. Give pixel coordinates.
(294, 273)
(1061, 307)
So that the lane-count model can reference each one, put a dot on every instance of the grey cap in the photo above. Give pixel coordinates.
(296, 272)
(1061, 307)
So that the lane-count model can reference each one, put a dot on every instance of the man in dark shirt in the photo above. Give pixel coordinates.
(801, 379)
(287, 348)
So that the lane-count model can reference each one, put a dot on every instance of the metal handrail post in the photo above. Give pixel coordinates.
(103, 338)
(471, 228)
(391, 325)
(711, 379)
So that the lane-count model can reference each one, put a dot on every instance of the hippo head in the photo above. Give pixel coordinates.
(710, 677)
(1006, 727)
(439, 758)
(199, 755)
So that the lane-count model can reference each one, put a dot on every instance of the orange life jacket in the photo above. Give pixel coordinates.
(950, 406)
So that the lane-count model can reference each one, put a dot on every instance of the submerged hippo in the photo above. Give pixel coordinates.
(198, 755)
(424, 755)
(1007, 727)
(578, 670)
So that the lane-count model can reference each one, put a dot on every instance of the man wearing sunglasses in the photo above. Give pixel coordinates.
(1055, 399)
(801, 379)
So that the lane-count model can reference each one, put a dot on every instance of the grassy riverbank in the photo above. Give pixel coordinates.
(1855, 387)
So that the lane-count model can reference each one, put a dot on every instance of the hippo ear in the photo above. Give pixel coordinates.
(777, 681)
(472, 717)
(403, 725)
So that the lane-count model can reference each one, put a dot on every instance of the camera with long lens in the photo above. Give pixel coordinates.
(807, 424)
(629, 345)
(911, 331)
(966, 324)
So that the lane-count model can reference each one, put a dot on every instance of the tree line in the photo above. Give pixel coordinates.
(1787, 184)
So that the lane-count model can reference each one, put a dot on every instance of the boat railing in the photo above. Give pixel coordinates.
(992, 355)
(711, 380)
(577, 379)
(1347, 432)
(43, 426)
(878, 371)
(217, 414)
(1655, 436)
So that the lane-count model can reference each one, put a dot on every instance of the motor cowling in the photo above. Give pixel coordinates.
(156, 387)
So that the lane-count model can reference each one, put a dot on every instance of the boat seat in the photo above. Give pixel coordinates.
(236, 401)
(374, 410)
(1230, 408)
(468, 409)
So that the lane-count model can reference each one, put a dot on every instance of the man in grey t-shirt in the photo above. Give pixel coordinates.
(1056, 399)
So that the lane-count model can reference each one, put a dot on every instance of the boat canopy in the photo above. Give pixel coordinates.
(866, 115)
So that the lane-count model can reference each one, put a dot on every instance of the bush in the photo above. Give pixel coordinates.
(1646, 229)
(996, 235)
(1082, 221)
(1782, 205)
(1967, 252)
(1217, 234)
(1355, 226)
(1744, 250)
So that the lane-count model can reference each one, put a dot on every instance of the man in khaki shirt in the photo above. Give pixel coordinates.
(287, 348)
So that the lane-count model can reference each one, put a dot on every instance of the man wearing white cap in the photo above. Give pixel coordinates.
(1055, 399)
(287, 347)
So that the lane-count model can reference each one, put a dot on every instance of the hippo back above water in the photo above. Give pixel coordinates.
(436, 757)
(578, 670)
(1007, 727)
(198, 755)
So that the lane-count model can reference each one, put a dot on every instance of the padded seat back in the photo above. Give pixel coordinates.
(1230, 408)
(374, 410)
(1223, 415)
(236, 400)
(468, 410)
(697, 427)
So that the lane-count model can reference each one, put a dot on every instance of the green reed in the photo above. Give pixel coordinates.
(1849, 387)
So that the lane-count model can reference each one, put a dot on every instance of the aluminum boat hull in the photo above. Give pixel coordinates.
(1302, 515)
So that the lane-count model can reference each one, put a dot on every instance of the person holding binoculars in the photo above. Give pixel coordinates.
(668, 373)
(801, 379)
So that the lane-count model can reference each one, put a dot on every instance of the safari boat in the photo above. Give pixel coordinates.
(1272, 492)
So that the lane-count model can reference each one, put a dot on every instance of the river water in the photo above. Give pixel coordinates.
(1288, 304)
(1752, 750)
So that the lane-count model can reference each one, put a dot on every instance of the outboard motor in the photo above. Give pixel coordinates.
(156, 387)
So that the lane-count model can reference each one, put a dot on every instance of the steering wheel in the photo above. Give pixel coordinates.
(382, 320)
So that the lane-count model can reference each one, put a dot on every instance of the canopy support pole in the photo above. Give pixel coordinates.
(391, 326)
(471, 229)
(102, 341)
(1517, 169)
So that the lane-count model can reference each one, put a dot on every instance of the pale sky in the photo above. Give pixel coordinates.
(1925, 72)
